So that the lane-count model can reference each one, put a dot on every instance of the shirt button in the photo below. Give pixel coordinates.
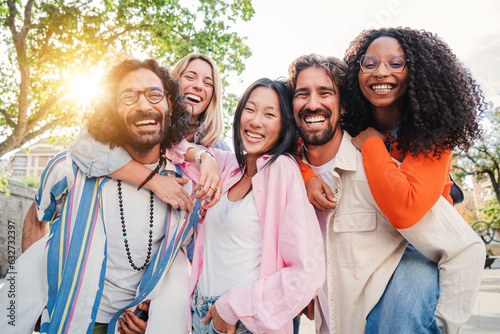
(351, 225)
(201, 301)
(336, 190)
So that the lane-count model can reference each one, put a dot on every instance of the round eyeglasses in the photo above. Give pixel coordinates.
(394, 63)
(153, 94)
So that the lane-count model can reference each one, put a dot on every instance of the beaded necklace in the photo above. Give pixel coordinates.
(124, 228)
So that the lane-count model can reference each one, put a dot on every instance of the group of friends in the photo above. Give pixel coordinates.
(337, 202)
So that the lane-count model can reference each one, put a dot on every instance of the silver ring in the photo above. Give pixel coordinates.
(380, 79)
(183, 198)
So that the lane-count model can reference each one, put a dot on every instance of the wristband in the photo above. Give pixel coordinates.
(197, 156)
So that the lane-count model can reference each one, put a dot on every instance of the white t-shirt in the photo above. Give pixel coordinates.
(121, 279)
(233, 246)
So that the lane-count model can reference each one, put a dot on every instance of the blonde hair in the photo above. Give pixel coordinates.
(212, 125)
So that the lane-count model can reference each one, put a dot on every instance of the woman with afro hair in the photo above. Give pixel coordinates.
(409, 98)
(409, 103)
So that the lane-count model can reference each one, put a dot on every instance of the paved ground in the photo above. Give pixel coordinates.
(485, 318)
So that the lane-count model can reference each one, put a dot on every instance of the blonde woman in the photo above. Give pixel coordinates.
(201, 84)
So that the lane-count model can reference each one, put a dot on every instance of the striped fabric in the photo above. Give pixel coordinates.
(76, 248)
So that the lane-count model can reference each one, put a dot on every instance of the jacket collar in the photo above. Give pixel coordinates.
(346, 155)
(346, 158)
(261, 162)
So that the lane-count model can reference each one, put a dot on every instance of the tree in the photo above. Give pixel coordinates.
(48, 43)
(482, 161)
(491, 213)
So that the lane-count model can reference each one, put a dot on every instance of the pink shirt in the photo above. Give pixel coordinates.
(293, 261)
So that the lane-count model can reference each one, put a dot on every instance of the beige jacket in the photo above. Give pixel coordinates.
(363, 250)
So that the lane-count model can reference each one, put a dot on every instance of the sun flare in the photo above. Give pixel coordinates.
(84, 86)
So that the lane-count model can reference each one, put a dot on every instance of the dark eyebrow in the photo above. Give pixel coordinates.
(328, 88)
(302, 89)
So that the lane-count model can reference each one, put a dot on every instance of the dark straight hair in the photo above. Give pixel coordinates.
(288, 140)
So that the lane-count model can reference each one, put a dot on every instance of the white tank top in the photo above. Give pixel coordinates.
(233, 246)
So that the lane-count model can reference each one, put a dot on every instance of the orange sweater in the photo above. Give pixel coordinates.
(306, 171)
(406, 193)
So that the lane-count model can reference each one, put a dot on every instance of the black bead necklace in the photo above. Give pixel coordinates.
(124, 229)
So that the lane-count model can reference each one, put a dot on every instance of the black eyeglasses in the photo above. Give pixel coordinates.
(394, 63)
(153, 94)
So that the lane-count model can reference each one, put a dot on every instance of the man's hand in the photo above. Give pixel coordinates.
(33, 229)
(132, 323)
(320, 195)
(364, 135)
(210, 185)
(219, 324)
(308, 311)
(170, 191)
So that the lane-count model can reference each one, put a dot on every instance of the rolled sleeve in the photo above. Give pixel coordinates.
(97, 159)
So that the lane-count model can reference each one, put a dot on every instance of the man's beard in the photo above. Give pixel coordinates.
(317, 137)
(147, 139)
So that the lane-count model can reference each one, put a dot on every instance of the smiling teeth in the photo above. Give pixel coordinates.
(145, 122)
(254, 135)
(382, 88)
(193, 97)
(314, 119)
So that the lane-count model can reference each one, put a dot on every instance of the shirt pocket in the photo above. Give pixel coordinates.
(355, 237)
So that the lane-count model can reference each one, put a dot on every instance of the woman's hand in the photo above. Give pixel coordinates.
(320, 195)
(364, 135)
(169, 190)
(210, 185)
(219, 324)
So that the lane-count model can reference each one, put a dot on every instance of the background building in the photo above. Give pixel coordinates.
(483, 192)
(32, 160)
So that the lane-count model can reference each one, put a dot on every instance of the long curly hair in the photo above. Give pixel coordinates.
(443, 104)
(107, 126)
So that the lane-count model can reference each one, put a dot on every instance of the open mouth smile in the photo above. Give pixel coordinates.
(314, 119)
(193, 98)
(253, 135)
(146, 122)
(384, 88)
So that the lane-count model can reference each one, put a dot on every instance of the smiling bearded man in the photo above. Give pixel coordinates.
(94, 266)
(363, 249)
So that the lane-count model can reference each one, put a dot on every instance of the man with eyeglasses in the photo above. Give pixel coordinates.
(363, 250)
(111, 246)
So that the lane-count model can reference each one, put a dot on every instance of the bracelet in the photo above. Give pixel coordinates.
(197, 156)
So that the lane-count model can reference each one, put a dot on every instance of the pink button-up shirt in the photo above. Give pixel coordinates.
(293, 261)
